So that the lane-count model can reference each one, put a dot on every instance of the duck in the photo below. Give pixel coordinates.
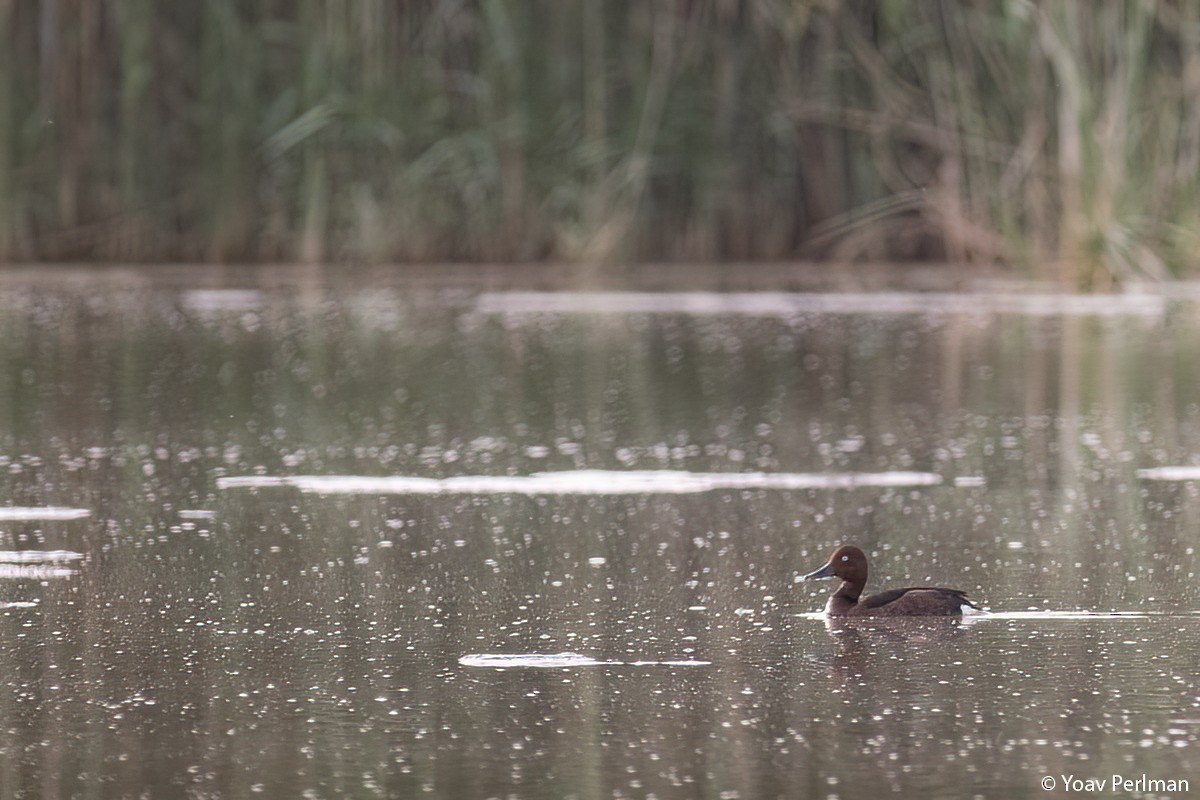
(850, 564)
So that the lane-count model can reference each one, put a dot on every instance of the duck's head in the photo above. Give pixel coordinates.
(847, 562)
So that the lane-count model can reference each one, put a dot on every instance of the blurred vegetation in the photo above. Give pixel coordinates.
(1062, 137)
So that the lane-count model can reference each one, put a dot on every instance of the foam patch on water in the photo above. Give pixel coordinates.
(1184, 473)
(782, 304)
(599, 482)
(41, 513)
(560, 661)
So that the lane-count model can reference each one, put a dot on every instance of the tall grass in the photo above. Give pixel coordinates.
(1060, 137)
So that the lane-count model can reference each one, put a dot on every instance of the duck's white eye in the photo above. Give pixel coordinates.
(845, 558)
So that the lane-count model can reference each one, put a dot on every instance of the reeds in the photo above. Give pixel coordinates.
(1062, 137)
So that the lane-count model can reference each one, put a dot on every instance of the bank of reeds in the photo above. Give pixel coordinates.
(1061, 137)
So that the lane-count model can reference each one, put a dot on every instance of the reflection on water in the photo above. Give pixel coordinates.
(402, 544)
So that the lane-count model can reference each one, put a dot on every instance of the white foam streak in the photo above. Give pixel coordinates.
(1184, 473)
(41, 513)
(215, 300)
(535, 660)
(591, 482)
(783, 304)
(561, 661)
(34, 571)
(38, 564)
(1080, 615)
(38, 556)
(980, 615)
(252, 482)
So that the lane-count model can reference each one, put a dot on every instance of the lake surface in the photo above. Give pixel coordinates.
(409, 541)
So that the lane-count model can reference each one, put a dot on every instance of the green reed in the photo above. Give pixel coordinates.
(1062, 137)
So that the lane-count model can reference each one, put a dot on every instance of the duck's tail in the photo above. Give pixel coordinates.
(968, 606)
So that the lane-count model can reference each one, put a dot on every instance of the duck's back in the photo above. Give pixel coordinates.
(915, 601)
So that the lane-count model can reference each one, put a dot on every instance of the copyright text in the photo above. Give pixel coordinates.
(1114, 783)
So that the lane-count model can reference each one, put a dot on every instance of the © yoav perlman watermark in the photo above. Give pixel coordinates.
(1114, 783)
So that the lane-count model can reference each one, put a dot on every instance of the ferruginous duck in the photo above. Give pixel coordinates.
(850, 564)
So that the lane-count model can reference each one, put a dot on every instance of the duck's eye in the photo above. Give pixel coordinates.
(845, 558)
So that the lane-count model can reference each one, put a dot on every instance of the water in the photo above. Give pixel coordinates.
(418, 542)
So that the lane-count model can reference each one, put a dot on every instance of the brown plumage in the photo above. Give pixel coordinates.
(850, 564)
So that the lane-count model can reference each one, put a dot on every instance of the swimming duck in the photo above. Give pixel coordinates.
(850, 564)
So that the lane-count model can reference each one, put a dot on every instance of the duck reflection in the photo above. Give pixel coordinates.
(878, 650)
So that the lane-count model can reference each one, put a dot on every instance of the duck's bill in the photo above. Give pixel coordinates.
(824, 572)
